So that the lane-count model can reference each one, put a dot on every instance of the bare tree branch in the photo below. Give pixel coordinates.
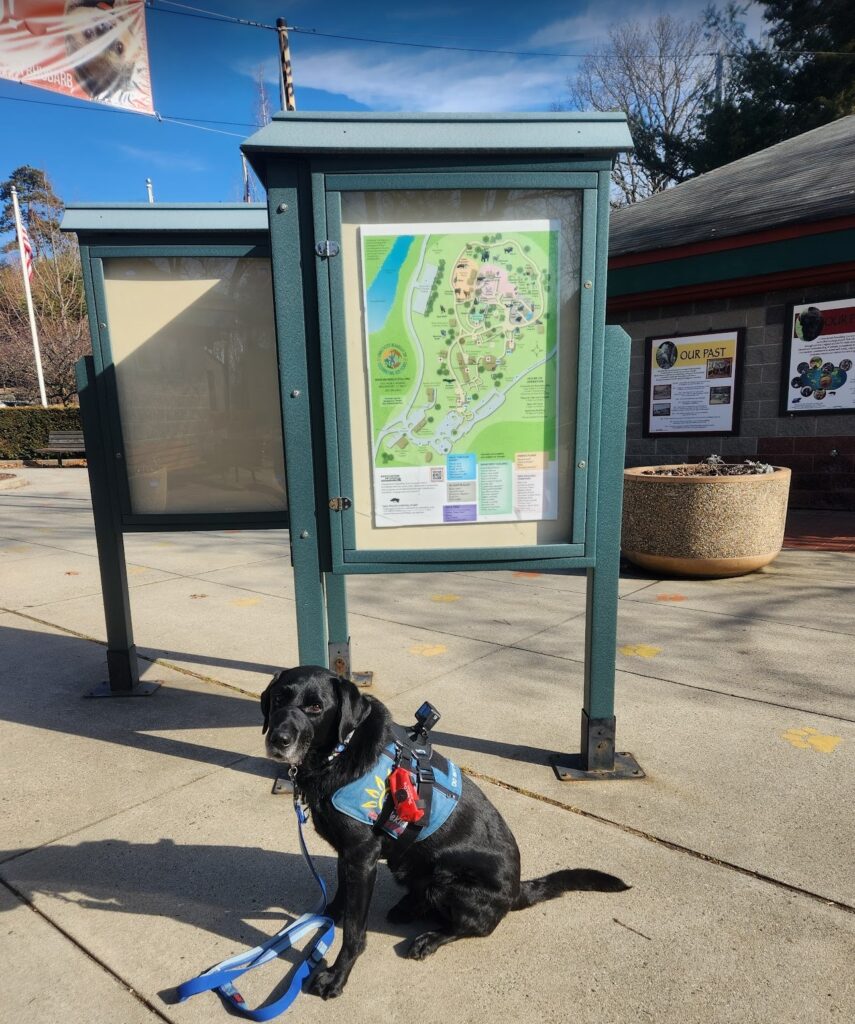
(654, 75)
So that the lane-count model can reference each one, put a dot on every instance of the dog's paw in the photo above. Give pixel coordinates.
(326, 984)
(423, 945)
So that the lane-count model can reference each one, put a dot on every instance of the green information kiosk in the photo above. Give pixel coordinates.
(437, 377)
(440, 288)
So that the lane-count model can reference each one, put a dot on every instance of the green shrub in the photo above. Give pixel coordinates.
(25, 428)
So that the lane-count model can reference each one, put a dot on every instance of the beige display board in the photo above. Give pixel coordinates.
(462, 335)
(194, 349)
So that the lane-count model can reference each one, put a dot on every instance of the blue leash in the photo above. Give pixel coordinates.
(223, 976)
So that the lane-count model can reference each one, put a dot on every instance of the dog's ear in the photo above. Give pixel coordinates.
(354, 708)
(265, 704)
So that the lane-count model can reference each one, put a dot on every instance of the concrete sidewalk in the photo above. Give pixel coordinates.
(139, 841)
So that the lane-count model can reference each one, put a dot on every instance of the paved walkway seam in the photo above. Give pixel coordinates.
(750, 617)
(87, 953)
(668, 843)
(691, 686)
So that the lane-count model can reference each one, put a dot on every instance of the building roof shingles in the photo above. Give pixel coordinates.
(808, 178)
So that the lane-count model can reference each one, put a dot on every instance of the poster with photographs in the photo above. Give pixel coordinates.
(692, 383)
(818, 371)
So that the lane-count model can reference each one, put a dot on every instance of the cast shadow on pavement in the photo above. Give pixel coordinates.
(243, 894)
(44, 676)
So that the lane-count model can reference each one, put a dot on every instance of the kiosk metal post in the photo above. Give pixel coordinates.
(122, 667)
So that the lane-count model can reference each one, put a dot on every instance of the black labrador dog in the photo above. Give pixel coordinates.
(466, 875)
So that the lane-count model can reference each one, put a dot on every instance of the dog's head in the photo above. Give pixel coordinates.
(309, 709)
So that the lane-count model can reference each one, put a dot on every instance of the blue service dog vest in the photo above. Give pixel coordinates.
(364, 798)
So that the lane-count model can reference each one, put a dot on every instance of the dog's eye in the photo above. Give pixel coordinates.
(313, 709)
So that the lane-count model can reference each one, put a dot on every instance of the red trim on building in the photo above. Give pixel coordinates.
(737, 286)
(676, 252)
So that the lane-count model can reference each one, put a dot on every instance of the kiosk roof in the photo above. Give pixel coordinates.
(146, 218)
(555, 133)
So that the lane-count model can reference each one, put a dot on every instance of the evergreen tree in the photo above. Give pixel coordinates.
(40, 206)
(800, 77)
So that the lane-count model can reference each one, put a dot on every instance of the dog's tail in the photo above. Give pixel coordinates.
(547, 887)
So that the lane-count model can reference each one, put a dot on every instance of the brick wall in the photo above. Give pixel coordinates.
(820, 450)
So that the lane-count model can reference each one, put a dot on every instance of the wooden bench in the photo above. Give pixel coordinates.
(64, 442)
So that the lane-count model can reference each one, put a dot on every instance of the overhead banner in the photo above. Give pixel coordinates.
(89, 49)
(819, 358)
(692, 383)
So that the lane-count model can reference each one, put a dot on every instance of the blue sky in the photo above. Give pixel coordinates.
(206, 70)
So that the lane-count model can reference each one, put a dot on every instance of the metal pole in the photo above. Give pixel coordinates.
(598, 759)
(122, 668)
(247, 191)
(149, 189)
(286, 79)
(28, 293)
(340, 660)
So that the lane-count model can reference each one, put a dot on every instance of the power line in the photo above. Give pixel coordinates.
(205, 15)
(199, 12)
(183, 119)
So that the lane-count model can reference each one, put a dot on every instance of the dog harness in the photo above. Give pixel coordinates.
(373, 799)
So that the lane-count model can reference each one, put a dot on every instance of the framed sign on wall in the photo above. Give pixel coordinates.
(693, 383)
(819, 352)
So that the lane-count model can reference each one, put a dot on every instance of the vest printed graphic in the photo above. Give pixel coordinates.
(364, 798)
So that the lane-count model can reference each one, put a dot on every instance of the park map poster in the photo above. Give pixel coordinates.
(692, 384)
(819, 358)
(461, 334)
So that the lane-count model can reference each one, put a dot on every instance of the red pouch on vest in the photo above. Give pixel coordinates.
(408, 807)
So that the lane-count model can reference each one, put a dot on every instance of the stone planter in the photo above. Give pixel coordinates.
(703, 525)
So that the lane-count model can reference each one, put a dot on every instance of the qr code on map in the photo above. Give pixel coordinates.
(437, 475)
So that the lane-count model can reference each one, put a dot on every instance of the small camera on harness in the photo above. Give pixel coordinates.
(426, 718)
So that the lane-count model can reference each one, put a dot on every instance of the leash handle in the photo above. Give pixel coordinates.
(223, 975)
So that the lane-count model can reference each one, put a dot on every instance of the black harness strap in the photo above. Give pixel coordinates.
(407, 751)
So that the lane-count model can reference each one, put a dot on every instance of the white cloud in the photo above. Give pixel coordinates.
(591, 26)
(434, 80)
(392, 78)
(572, 34)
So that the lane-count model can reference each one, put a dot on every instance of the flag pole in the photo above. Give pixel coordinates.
(25, 270)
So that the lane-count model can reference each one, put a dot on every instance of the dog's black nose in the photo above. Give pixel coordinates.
(282, 738)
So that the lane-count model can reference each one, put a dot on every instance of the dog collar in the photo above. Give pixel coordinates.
(340, 748)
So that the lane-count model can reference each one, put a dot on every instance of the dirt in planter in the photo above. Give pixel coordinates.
(714, 466)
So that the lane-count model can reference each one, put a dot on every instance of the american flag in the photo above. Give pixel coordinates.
(28, 251)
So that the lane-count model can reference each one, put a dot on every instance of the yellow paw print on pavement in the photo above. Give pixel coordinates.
(639, 650)
(812, 739)
(428, 650)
